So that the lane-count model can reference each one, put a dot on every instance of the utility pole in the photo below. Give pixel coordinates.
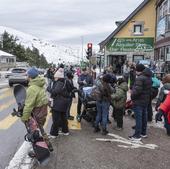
(82, 49)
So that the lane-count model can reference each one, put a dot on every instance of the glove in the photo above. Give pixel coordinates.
(158, 116)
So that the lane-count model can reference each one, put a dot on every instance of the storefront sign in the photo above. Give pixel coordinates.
(130, 45)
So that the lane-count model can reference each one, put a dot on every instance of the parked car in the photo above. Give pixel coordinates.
(18, 75)
(8, 72)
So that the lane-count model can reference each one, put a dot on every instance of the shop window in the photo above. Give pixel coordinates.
(137, 58)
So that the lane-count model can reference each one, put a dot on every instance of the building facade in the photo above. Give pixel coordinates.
(134, 38)
(162, 44)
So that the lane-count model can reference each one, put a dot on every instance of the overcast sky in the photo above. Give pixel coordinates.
(66, 21)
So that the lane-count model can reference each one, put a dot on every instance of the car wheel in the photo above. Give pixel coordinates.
(10, 84)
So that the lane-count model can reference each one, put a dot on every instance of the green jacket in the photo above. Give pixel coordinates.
(35, 97)
(118, 99)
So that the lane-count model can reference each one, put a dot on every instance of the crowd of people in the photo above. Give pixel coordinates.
(107, 90)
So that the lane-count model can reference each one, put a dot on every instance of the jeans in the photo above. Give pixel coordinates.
(102, 113)
(167, 125)
(141, 120)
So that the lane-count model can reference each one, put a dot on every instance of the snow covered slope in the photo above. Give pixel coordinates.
(53, 52)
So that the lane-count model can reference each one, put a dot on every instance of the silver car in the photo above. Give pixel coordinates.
(18, 75)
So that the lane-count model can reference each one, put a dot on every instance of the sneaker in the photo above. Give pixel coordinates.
(144, 135)
(105, 132)
(66, 134)
(52, 136)
(96, 129)
(70, 117)
(133, 138)
(118, 128)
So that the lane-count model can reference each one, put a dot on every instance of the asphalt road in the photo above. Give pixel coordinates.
(11, 129)
(81, 150)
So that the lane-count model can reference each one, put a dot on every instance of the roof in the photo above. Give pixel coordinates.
(141, 6)
(2, 53)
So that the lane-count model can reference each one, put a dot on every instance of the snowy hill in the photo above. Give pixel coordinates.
(53, 52)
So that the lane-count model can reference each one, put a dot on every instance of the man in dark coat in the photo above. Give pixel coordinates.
(140, 96)
(84, 80)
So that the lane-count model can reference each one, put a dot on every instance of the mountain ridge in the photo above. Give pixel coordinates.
(54, 53)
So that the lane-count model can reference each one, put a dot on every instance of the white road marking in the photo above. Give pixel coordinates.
(21, 160)
(128, 143)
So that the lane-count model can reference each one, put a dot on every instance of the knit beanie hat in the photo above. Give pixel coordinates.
(140, 67)
(107, 78)
(59, 73)
(32, 73)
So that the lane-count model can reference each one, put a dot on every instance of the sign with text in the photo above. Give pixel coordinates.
(131, 45)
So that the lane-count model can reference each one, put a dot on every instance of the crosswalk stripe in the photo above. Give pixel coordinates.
(73, 124)
(7, 122)
(4, 90)
(47, 119)
(6, 105)
(6, 94)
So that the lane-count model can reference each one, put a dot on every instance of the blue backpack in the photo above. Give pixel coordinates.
(155, 82)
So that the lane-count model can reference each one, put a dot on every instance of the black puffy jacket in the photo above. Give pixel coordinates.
(141, 91)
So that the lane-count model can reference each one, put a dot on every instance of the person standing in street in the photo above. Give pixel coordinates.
(60, 94)
(140, 96)
(36, 103)
(84, 80)
(103, 103)
(118, 99)
(164, 110)
(70, 77)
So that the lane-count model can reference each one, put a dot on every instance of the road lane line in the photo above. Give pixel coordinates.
(7, 122)
(5, 106)
(74, 124)
(5, 94)
(47, 120)
(4, 90)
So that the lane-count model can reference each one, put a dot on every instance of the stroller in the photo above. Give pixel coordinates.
(128, 108)
(89, 110)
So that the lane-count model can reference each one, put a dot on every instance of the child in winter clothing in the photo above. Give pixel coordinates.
(118, 100)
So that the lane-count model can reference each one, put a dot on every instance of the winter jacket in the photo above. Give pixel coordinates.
(105, 91)
(35, 97)
(141, 91)
(165, 107)
(61, 92)
(162, 96)
(132, 78)
(87, 78)
(118, 99)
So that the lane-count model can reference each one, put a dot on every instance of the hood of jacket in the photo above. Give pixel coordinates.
(38, 81)
(123, 86)
(147, 72)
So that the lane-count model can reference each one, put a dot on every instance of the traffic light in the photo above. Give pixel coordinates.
(89, 50)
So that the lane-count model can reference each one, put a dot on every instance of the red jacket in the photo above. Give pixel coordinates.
(165, 107)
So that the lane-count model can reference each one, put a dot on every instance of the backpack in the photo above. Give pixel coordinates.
(95, 93)
(155, 82)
